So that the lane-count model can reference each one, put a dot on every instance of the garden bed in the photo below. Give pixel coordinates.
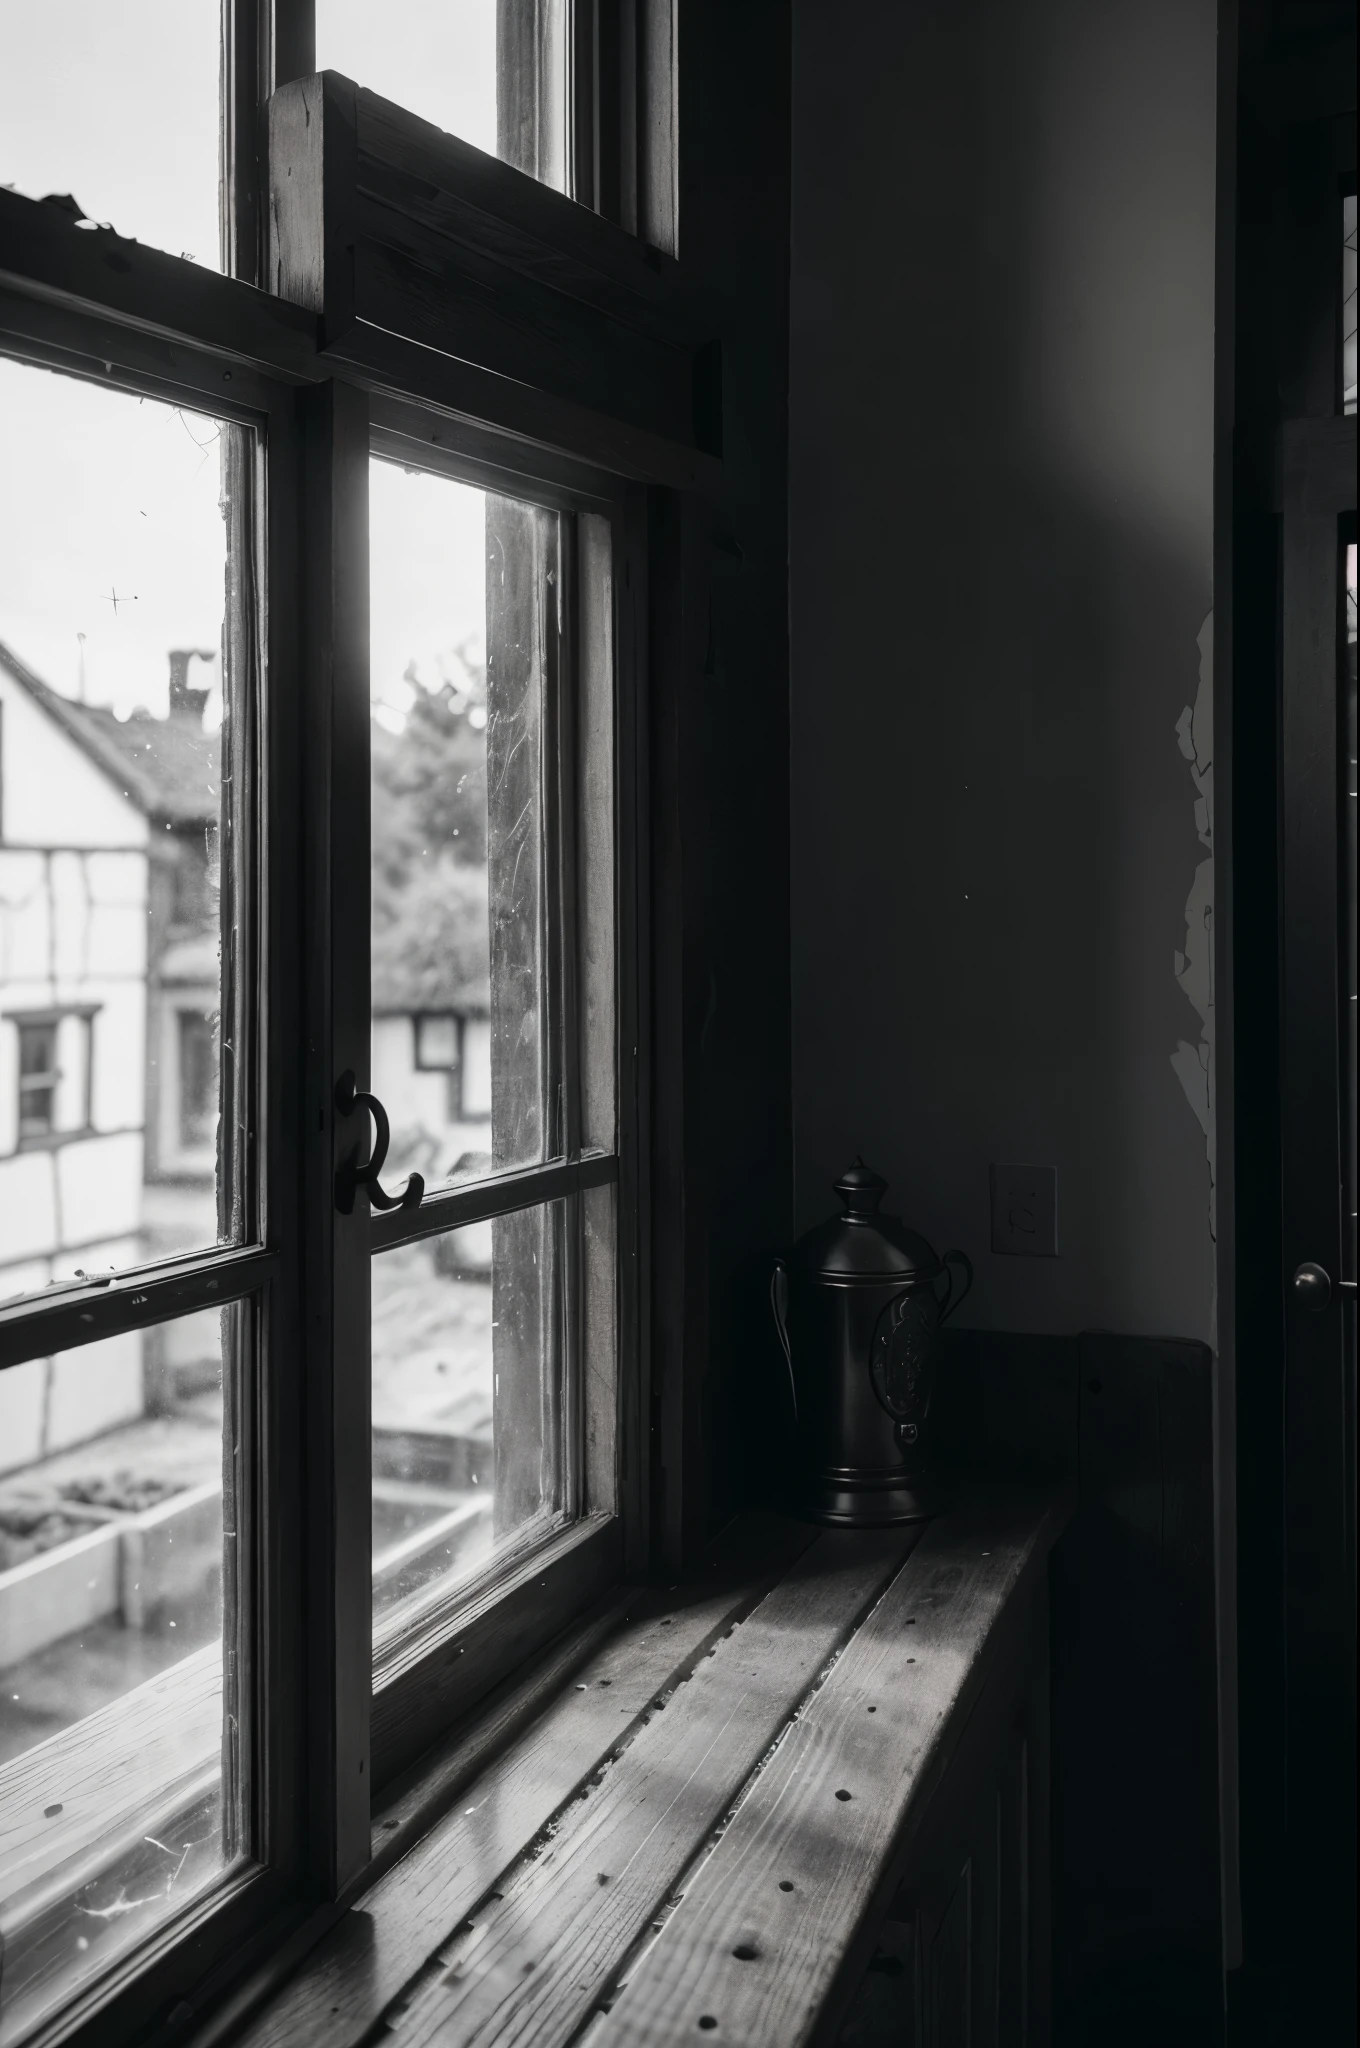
(136, 1546)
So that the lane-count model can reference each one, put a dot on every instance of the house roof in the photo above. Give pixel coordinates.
(170, 768)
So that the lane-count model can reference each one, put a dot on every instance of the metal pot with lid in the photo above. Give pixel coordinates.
(858, 1305)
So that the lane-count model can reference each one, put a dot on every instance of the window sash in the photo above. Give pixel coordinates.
(92, 304)
(411, 1675)
(261, 1270)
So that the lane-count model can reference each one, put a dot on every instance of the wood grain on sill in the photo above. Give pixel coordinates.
(546, 1942)
(364, 1963)
(699, 1747)
(768, 1919)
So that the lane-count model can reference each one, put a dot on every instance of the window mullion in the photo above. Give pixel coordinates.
(336, 1247)
(632, 1031)
(483, 1200)
(60, 1319)
(564, 908)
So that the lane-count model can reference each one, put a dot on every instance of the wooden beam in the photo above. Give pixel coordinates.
(379, 219)
(178, 319)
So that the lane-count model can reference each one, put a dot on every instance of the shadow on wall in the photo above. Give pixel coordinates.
(1001, 478)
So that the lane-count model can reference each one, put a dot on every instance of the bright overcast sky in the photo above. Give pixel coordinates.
(436, 57)
(102, 496)
(116, 101)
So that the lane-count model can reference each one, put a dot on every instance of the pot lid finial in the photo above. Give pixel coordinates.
(861, 1189)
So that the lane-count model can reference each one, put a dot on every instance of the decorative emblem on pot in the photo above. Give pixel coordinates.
(897, 1364)
(904, 1346)
(858, 1307)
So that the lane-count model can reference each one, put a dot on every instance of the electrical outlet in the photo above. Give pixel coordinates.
(1025, 1211)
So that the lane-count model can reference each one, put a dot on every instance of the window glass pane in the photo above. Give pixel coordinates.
(599, 1327)
(120, 686)
(112, 1729)
(118, 106)
(463, 603)
(469, 1408)
(440, 59)
(595, 835)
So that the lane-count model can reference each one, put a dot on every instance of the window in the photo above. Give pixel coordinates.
(437, 1043)
(321, 1265)
(118, 682)
(483, 914)
(125, 1637)
(54, 1076)
(197, 1079)
(38, 1077)
(117, 1649)
(137, 87)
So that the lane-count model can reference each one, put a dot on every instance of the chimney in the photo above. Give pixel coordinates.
(184, 702)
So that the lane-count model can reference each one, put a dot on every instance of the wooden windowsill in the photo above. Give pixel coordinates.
(674, 1766)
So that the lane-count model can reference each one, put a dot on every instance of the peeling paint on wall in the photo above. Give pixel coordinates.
(1194, 1064)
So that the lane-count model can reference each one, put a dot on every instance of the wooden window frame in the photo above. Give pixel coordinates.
(246, 1907)
(621, 113)
(97, 306)
(454, 1653)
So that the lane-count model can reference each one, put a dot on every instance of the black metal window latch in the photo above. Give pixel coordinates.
(350, 1175)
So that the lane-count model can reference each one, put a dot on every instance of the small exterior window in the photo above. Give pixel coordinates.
(439, 1050)
(54, 1077)
(38, 1077)
(197, 1080)
(437, 1044)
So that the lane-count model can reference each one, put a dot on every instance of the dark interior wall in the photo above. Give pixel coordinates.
(1001, 417)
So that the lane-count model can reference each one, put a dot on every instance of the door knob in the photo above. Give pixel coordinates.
(1313, 1286)
(351, 1176)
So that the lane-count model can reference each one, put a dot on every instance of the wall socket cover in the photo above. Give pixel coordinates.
(1025, 1211)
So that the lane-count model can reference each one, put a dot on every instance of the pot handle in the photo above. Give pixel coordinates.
(955, 1294)
(779, 1305)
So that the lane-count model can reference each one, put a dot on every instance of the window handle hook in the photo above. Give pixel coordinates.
(350, 1176)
